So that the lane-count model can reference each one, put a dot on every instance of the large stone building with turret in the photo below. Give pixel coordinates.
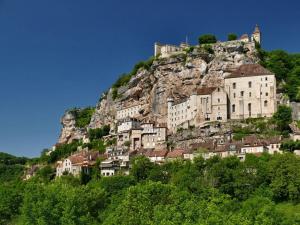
(249, 92)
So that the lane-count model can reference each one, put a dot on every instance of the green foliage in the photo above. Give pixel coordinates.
(283, 117)
(286, 68)
(98, 133)
(260, 190)
(63, 151)
(208, 49)
(125, 78)
(141, 167)
(62, 203)
(231, 37)
(96, 144)
(207, 39)
(83, 116)
(290, 145)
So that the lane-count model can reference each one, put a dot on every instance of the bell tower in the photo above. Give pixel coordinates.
(256, 35)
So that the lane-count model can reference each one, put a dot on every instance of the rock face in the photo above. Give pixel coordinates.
(177, 77)
(69, 131)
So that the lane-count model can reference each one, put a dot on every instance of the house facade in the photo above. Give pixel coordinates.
(207, 104)
(251, 91)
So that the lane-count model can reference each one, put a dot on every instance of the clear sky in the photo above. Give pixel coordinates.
(58, 54)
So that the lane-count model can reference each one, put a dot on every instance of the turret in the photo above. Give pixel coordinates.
(157, 49)
(256, 36)
(170, 102)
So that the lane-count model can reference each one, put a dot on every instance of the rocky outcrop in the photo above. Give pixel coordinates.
(175, 77)
(69, 131)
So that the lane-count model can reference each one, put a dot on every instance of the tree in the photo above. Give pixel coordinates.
(283, 117)
(141, 168)
(207, 39)
(231, 37)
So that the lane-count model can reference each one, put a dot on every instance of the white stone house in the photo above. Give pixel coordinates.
(129, 112)
(77, 163)
(251, 91)
(152, 135)
(127, 124)
(207, 104)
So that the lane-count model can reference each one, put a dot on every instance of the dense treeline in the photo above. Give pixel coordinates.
(260, 190)
(286, 68)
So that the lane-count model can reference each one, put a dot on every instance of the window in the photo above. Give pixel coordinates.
(233, 108)
(249, 94)
(249, 107)
(249, 84)
(266, 103)
(218, 89)
(234, 95)
(234, 85)
(267, 93)
(266, 78)
(266, 85)
(218, 100)
(242, 93)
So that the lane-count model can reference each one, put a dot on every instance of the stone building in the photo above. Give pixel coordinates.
(251, 91)
(207, 104)
(77, 163)
(129, 112)
(127, 124)
(153, 137)
(167, 50)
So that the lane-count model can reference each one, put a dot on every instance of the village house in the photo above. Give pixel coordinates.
(207, 104)
(175, 154)
(272, 145)
(129, 112)
(127, 124)
(156, 156)
(135, 136)
(295, 131)
(76, 164)
(251, 91)
(153, 136)
(109, 167)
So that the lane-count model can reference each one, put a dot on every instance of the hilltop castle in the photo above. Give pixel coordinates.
(166, 50)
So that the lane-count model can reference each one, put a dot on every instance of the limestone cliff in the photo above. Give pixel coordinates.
(69, 131)
(177, 76)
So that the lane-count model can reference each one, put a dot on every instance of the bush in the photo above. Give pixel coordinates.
(98, 133)
(207, 39)
(83, 116)
(231, 37)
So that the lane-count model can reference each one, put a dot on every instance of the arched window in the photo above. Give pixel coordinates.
(249, 107)
(233, 108)
(266, 103)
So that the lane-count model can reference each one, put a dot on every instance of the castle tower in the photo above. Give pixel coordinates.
(157, 49)
(256, 36)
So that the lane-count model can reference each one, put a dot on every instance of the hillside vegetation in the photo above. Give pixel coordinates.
(262, 190)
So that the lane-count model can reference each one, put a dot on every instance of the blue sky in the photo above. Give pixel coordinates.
(58, 54)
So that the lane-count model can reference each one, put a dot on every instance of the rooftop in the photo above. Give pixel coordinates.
(249, 70)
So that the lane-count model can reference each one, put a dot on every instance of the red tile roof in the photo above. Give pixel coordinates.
(249, 70)
(178, 153)
(206, 90)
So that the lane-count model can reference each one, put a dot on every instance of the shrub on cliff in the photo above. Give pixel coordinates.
(231, 37)
(207, 39)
